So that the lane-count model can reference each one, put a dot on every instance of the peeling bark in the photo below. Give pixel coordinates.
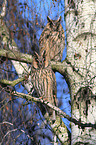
(81, 52)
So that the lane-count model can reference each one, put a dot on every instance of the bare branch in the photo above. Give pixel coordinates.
(12, 83)
(16, 55)
(21, 57)
(8, 133)
(6, 122)
(59, 111)
(13, 130)
(58, 128)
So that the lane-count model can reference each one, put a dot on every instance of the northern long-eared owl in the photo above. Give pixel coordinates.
(44, 81)
(52, 39)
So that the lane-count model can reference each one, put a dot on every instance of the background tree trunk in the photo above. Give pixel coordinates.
(80, 19)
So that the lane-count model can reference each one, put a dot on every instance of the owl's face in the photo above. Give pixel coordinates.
(40, 61)
(54, 24)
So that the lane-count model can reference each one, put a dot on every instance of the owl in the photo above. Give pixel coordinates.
(52, 40)
(44, 81)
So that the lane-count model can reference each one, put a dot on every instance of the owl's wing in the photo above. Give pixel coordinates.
(44, 36)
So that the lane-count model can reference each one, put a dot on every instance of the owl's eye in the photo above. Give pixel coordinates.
(58, 24)
(47, 36)
(59, 35)
(51, 24)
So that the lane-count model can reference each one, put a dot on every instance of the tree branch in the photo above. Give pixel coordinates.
(16, 55)
(26, 58)
(59, 128)
(59, 111)
(12, 83)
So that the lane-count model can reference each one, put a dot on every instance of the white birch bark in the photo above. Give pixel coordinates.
(81, 52)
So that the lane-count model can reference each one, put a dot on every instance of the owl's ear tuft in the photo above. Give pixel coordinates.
(44, 54)
(49, 20)
(36, 55)
(59, 19)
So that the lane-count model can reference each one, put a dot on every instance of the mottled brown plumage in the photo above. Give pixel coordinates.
(52, 40)
(43, 79)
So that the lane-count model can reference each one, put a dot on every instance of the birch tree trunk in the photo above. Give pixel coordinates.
(80, 17)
